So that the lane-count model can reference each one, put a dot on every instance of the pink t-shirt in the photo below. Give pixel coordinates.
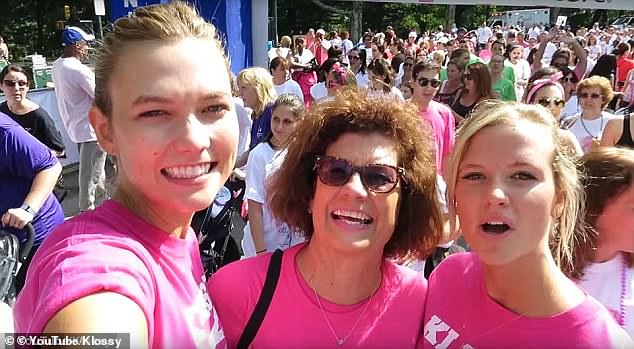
(460, 314)
(110, 249)
(393, 319)
(443, 131)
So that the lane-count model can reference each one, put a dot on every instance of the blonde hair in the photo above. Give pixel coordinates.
(262, 82)
(285, 41)
(167, 23)
(602, 83)
(568, 228)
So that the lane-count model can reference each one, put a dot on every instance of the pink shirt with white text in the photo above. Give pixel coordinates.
(460, 314)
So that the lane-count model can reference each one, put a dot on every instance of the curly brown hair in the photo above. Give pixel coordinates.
(419, 225)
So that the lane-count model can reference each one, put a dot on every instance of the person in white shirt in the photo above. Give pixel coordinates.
(75, 92)
(346, 45)
(284, 50)
(483, 33)
(280, 71)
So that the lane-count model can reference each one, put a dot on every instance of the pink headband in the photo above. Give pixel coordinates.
(552, 80)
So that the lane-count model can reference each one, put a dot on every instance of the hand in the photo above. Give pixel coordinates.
(16, 218)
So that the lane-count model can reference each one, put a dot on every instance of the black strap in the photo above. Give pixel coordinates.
(266, 296)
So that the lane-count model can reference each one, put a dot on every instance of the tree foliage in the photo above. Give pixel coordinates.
(28, 26)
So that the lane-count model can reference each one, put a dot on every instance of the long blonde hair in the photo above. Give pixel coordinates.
(568, 228)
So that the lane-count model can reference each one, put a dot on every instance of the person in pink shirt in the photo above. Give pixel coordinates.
(514, 187)
(163, 108)
(438, 116)
(359, 179)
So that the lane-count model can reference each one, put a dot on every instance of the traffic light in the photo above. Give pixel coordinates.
(66, 12)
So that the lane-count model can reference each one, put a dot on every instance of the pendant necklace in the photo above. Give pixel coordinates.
(621, 319)
(595, 140)
(340, 340)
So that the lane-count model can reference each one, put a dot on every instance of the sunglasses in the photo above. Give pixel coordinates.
(408, 64)
(337, 172)
(12, 83)
(573, 80)
(433, 82)
(591, 95)
(354, 58)
(466, 76)
(555, 100)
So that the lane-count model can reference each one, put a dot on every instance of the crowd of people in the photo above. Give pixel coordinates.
(367, 170)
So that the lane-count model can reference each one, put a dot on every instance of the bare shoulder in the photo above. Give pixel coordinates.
(612, 132)
(104, 312)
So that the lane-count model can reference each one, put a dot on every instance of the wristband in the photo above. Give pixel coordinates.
(260, 251)
(26, 207)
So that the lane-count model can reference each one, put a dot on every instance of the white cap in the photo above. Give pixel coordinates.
(321, 31)
(412, 34)
(443, 40)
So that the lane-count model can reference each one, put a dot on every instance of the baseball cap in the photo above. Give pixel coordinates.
(443, 40)
(71, 35)
(412, 34)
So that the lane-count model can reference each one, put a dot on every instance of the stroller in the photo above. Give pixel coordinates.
(12, 252)
(214, 226)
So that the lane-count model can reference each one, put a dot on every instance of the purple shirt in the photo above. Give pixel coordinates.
(21, 158)
(261, 127)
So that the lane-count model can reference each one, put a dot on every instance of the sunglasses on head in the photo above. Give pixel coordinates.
(12, 83)
(591, 95)
(555, 100)
(433, 82)
(337, 172)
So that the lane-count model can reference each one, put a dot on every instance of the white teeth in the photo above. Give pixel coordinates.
(352, 214)
(495, 223)
(187, 172)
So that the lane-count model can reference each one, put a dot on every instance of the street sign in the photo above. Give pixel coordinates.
(100, 8)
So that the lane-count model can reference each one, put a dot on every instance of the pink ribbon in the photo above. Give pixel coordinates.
(552, 80)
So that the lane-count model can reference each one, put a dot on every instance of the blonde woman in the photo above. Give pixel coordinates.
(255, 87)
(132, 265)
(516, 192)
(594, 93)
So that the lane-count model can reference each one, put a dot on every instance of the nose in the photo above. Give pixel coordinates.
(355, 188)
(192, 136)
(497, 194)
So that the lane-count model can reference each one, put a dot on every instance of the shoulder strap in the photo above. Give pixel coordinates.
(266, 296)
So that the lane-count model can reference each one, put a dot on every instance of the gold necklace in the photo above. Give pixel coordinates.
(340, 340)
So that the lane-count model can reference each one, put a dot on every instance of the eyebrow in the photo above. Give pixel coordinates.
(159, 99)
(514, 164)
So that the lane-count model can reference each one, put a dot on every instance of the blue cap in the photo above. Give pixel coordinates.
(72, 35)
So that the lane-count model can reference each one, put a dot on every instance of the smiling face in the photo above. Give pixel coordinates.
(505, 192)
(350, 218)
(283, 122)
(425, 93)
(173, 127)
(15, 93)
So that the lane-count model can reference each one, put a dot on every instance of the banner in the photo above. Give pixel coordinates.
(591, 4)
(232, 18)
